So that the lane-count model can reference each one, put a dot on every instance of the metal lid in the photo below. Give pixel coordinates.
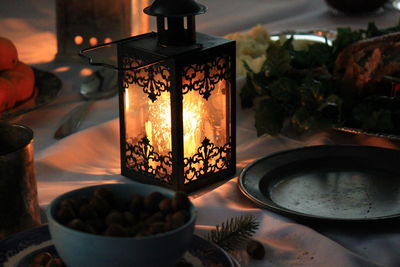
(175, 8)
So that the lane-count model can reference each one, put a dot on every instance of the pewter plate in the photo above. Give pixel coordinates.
(338, 183)
(47, 88)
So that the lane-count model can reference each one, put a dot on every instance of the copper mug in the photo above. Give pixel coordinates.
(19, 209)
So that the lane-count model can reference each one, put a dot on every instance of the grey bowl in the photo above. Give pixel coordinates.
(82, 249)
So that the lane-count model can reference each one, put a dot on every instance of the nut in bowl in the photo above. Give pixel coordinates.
(121, 225)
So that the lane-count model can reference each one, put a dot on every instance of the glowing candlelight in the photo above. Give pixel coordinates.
(140, 21)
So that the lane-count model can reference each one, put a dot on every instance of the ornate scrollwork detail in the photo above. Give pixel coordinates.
(208, 159)
(154, 79)
(204, 77)
(142, 158)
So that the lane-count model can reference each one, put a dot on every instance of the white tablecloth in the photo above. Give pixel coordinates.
(91, 156)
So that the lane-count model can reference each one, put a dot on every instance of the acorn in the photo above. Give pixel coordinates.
(255, 249)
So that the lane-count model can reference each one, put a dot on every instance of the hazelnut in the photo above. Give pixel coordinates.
(132, 230)
(115, 217)
(156, 228)
(129, 218)
(115, 230)
(165, 205)
(121, 205)
(156, 217)
(87, 212)
(77, 224)
(100, 205)
(178, 219)
(42, 258)
(255, 249)
(152, 201)
(97, 225)
(55, 262)
(136, 204)
(65, 214)
(180, 201)
(143, 215)
(104, 193)
(81, 200)
(70, 203)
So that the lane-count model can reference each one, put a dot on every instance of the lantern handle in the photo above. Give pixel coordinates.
(106, 65)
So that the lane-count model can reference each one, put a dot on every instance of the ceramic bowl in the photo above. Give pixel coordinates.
(83, 249)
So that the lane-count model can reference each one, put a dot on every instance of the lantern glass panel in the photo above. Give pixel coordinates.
(148, 120)
(206, 129)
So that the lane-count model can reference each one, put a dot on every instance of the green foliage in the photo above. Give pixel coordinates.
(278, 60)
(296, 89)
(269, 117)
(234, 233)
(248, 92)
(317, 54)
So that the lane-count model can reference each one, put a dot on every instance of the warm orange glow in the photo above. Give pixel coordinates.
(205, 125)
(140, 21)
(107, 40)
(158, 125)
(85, 72)
(62, 69)
(93, 41)
(127, 106)
(192, 114)
(78, 40)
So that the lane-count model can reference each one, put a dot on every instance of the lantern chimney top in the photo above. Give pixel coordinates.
(176, 20)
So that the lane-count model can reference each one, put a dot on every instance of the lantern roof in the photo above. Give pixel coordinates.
(175, 8)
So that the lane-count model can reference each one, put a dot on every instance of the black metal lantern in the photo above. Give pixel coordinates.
(177, 101)
(177, 113)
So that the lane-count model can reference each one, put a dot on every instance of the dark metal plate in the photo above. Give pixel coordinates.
(337, 183)
(47, 88)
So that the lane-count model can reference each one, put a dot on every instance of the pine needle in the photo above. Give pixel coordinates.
(234, 233)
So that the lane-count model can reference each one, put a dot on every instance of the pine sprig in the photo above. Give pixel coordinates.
(234, 233)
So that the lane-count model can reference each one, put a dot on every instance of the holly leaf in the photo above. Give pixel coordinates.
(285, 91)
(317, 54)
(345, 37)
(248, 93)
(269, 117)
(278, 60)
